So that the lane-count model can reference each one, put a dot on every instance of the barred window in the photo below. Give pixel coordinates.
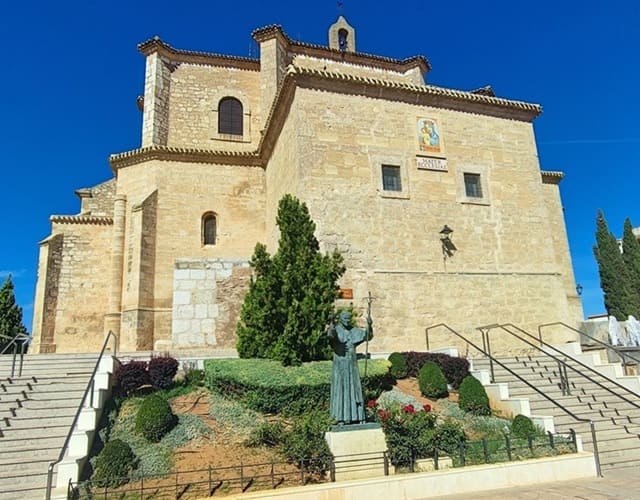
(472, 185)
(230, 116)
(391, 178)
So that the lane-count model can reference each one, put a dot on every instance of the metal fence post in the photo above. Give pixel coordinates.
(551, 441)
(386, 463)
(530, 442)
(507, 440)
(461, 448)
(435, 460)
(485, 451)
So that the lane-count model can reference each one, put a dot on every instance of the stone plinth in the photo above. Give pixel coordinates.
(358, 451)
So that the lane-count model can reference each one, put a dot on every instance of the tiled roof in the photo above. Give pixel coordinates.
(551, 177)
(535, 109)
(156, 44)
(194, 155)
(81, 219)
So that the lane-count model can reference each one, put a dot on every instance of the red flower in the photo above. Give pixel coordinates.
(372, 403)
(408, 409)
(427, 407)
(383, 414)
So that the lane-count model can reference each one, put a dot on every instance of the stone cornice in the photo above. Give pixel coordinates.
(155, 44)
(167, 153)
(81, 219)
(439, 96)
(321, 51)
(551, 177)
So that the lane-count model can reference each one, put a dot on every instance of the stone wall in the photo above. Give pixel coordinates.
(391, 241)
(207, 295)
(75, 296)
(196, 91)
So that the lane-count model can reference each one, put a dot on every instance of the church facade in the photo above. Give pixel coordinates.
(387, 164)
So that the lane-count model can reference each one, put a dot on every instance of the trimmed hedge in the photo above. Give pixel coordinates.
(454, 369)
(114, 464)
(155, 418)
(473, 397)
(162, 369)
(398, 365)
(269, 387)
(432, 382)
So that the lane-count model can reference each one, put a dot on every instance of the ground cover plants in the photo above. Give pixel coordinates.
(261, 412)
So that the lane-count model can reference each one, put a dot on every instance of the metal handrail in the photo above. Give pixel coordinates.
(566, 365)
(620, 353)
(14, 342)
(87, 392)
(596, 454)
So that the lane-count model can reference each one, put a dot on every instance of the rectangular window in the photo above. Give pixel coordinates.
(391, 178)
(472, 185)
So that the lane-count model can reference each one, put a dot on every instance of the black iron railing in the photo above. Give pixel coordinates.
(86, 401)
(21, 339)
(276, 474)
(486, 351)
(624, 356)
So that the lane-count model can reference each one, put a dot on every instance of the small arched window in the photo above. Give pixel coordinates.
(209, 228)
(230, 116)
(343, 39)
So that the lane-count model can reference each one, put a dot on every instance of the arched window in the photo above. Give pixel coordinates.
(209, 228)
(343, 39)
(230, 116)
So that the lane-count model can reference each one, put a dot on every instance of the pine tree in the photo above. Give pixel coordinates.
(10, 315)
(631, 258)
(285, 311)
(614, 277)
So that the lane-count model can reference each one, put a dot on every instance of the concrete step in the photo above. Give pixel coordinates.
(35, 424)
(20, 486)
(29, 454)
(25, 467)
(30, 413)
(45, 436)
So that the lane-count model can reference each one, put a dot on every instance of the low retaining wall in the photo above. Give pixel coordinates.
(449, 482)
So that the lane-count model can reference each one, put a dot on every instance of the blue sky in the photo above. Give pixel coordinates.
(71, 73)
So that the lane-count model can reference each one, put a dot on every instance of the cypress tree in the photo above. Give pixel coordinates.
(631, 258)
(285, 311)
(10, 315)
(614, 277)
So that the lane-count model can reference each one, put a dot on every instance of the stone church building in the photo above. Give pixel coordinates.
(386, 163)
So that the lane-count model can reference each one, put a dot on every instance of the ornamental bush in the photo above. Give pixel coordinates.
(432, 382)
(404, 430)
(305, 441)
(155, 418)
(455, 369)
(445, 438)
(114, 464)
(398, 365)
(131, 376)
(162, 369)
(523, 427)
(473, 397)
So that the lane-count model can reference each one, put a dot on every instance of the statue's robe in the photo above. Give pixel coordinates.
(347, 405)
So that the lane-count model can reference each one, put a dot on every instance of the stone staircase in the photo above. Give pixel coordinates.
(614, 410)
(36, 413)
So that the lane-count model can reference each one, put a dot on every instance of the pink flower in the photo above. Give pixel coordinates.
(427, 407)
(372, 403)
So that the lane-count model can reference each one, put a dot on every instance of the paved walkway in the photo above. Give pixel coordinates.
(617, 484)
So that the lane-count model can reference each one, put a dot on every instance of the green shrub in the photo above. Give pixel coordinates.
(270, 434)
(398, 365)
(268, 387)
(162, 369)
(155, 418)
(404, 430)
(523, 427)
(445, 438)
(432, 382)
(473, 397)
(193, 377)
(305, 441)
(114, 464)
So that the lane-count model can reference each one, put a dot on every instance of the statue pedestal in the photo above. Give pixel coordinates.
(358, 451)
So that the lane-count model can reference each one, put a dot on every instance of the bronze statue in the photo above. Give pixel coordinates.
(347, 405)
